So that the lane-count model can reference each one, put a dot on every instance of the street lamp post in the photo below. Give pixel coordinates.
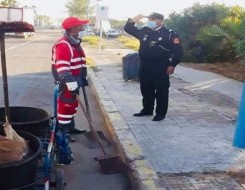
(88, 3)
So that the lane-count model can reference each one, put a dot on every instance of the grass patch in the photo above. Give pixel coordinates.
(91, 40)
(130, 42)
(90, 62)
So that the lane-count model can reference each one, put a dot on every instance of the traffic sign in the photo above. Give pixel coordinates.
(102, 13)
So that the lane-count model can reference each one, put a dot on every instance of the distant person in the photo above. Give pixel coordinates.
(69, 69)
(160, 51)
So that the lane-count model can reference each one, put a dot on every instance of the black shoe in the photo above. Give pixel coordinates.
(76, 131)
(65, 159)
(70, 139)
(142, 113)
(158, 117)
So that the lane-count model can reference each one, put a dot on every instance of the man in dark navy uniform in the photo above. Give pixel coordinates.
(160, 51)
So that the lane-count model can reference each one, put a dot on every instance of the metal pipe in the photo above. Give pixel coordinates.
(4, 75)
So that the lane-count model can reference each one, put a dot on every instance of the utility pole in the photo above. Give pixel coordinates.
(88, 3)
(88, 9)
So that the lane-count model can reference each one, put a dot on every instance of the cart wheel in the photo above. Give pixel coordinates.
(59, 178)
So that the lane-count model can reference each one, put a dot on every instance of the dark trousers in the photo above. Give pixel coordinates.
(65, 128)
(154, 86)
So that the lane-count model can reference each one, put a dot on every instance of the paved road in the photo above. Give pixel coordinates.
(30, 84)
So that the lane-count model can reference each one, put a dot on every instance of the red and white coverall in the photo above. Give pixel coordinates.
(69, 68)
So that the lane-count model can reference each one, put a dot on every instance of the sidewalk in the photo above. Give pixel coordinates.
(192, 147)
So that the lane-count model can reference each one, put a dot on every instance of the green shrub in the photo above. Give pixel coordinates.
(130, 42)
(240, 48)
(90, 62)
(91, 40)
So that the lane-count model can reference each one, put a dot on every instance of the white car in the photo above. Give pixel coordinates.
(112, 33)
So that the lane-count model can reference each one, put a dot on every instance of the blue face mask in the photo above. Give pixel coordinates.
(151, 24)
(75, 40)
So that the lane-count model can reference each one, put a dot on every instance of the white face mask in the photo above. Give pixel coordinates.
(81, 33)
(151, 24)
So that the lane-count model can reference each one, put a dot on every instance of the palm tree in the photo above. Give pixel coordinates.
(42, 20)
(8, 3)
(79, 8)
(226, 41)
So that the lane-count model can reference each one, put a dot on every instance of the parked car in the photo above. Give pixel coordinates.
(97, 33)
(112, 33)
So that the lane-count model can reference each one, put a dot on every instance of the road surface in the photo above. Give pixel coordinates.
(30, 83)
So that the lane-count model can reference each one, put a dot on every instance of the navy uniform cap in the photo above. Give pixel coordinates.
(156, 16)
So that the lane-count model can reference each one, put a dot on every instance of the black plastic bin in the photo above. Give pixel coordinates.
(131, 66)
(22, 175)
(30, 119)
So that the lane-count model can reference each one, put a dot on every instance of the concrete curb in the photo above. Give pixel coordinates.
(141, 173)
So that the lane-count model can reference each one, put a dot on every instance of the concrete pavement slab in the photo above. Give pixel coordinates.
(210, 81)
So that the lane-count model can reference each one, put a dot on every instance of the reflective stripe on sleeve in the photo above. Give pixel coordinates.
(63, 62)
(75, 67)
(63, 69)
(76, 59)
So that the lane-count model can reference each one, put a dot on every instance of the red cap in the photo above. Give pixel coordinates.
(73, 21)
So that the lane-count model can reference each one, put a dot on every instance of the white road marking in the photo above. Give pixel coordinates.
(10, 48)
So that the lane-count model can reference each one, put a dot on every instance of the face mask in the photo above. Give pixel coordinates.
(151, 24)
(81, 33)
(75, 40)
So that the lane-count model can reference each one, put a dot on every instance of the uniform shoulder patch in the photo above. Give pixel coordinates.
(176, 40)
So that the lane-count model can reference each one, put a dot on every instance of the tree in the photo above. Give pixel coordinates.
(217, 42)
(8, 3)
(43, 20)
(188, 23)
(225, 41)
(117, 24)
(79, 8)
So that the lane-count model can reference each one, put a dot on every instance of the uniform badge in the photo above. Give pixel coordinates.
(176, 40)
(144, 39)
(160, 38)
(152, 43)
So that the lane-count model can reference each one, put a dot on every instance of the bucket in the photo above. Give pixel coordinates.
(239, 135)
(22, 175)
(29, 119)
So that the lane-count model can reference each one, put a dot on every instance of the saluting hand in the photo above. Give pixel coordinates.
(170, 70)
(137, 18)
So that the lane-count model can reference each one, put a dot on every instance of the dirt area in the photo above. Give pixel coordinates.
(239, 177)
(233, 71)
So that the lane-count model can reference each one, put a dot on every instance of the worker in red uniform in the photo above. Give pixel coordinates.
(69, 69)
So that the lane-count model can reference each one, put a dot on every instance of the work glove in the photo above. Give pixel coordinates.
(75, 92)
(73, 87)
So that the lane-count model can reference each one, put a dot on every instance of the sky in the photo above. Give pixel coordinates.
(123, 9)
